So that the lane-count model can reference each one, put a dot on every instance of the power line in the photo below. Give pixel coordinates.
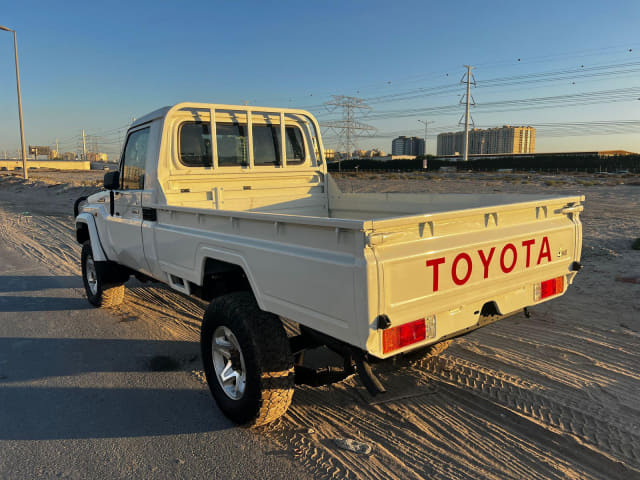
(585, 98)
(517, 80)
(575, 55)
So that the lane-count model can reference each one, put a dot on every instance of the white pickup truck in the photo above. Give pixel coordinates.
(234, 204)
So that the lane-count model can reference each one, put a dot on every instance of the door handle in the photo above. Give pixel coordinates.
(135, 211)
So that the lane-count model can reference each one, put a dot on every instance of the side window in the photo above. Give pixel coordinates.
(294, 145)
(134, 159)
(195, 144)
(232, 144)
(266, 145)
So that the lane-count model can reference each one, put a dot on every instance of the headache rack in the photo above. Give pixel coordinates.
(249, 112)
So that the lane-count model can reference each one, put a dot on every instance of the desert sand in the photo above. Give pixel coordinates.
(555, 395)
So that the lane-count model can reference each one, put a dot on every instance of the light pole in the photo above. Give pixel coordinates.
(426, 123)
(25, 174)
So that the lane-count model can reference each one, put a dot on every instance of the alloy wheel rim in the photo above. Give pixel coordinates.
(228, 363)
(92, 276)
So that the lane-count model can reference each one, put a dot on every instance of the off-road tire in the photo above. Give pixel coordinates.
(106, 294)
(268, 361)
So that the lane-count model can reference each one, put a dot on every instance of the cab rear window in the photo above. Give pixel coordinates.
(232, 145)
(195, 144)
(294, 145)
(196, 150)
(267, 145)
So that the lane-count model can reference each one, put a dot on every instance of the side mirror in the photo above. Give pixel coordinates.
(112, 180)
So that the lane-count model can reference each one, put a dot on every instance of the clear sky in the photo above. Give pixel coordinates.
(95, 65)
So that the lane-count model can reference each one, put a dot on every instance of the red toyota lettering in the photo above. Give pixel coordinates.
(435, 263)
(528, 243)
(486, 260)
(545, 251)
(454, 269)
(512, 247)
(508, 261)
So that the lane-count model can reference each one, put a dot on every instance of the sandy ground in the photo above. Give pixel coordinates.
(83, 394)
(551, 396)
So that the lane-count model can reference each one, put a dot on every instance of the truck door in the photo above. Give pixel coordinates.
(125, 225)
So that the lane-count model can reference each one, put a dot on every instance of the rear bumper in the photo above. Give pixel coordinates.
(461, 319)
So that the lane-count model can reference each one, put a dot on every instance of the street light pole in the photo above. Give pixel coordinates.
(25, 173)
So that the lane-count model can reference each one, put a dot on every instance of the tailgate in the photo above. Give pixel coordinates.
(446, 267)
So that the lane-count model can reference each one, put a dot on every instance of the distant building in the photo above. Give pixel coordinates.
(506, 139)
(504, 156)
(407, 146)
(374, 152)
(97, 157)
(69, 156)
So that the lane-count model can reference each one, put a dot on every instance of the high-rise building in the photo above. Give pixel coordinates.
(506, 139)
(407, 146)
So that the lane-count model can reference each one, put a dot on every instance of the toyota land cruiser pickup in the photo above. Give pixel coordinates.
(234, 204)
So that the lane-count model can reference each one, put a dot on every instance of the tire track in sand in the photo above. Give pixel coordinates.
(50, 239)
(594, 428)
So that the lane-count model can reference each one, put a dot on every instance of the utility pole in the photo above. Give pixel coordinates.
(84, 146)
(469, 80)
(426, 123)
(348, 126)
(25, 173)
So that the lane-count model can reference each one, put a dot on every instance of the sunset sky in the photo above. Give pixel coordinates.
(95, 65)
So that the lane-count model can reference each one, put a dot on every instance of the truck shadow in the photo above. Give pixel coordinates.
(16, 284)
(121, 393)
(24, 359)
(15, 303)
(27, 283)
(48, 413)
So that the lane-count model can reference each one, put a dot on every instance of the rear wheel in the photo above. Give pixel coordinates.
(100, 292)
(247, 360)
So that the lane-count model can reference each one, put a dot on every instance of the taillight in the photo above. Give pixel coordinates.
(403, 335)
(548, 288)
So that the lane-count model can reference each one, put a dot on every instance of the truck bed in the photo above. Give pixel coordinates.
(367, 255)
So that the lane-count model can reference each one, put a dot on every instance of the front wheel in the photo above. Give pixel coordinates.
(247, 360)
(100, 293)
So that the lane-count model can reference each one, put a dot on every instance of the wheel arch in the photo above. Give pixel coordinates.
(86, 230)
(225, 264)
